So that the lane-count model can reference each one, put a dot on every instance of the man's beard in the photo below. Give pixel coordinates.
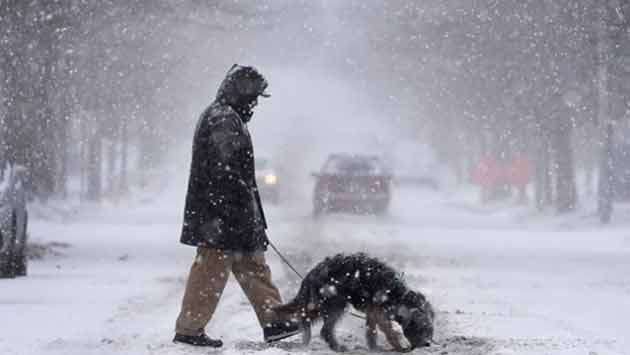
(246, 113)
(245, 108)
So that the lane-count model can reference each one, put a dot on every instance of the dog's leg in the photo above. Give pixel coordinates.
(306, 332)
(393, 336)
(371, 334)
(328, 329)
(309, 316)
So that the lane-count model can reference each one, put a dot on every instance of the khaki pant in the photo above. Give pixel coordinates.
(209, 275)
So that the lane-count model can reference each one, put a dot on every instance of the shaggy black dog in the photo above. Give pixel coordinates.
(369, 286)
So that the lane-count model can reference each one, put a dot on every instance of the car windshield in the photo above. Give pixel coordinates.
(352, 166)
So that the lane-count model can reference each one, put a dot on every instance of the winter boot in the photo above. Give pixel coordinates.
(280, 330)
(198, 340)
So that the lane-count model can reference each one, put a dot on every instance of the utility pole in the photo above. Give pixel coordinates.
(613, 58)
(605, 183)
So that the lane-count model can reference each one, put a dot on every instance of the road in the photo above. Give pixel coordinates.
(503, 280)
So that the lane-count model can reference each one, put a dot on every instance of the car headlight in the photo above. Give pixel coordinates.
(271, 179)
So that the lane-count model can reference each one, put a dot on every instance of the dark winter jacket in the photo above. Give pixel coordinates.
(223, 208)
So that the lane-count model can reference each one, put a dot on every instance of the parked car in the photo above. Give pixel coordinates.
(267, 179)
(354, 183)
(13, 221)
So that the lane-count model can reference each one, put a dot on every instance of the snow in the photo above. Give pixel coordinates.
(501, 280)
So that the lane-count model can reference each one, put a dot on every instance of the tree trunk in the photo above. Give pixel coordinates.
(566, 192)
(605, 189)
(124, 141)
(94, 174)
(542, 182)
(548, 195)
(83, 157)
(606, 169)
(64, 134)
(111, 168)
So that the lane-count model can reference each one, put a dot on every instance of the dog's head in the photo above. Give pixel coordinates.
(416, 315)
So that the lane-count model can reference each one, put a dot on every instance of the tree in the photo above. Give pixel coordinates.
(112, 75)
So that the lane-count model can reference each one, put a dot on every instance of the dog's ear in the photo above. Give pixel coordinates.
(409, 296)
(414, 300)
(410, 299)
(403, 315)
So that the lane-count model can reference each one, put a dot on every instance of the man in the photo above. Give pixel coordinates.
(224, 218)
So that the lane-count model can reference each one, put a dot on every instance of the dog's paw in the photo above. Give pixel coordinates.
(376, 349)
(340, 348)
(401, 343)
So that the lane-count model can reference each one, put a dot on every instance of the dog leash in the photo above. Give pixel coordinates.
(286, 261)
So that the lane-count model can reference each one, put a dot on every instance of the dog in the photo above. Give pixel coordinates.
(370, 286)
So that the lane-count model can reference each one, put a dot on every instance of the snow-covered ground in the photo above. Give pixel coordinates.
(504, 280)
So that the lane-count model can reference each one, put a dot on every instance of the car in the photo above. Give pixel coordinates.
(267, 179)
(13, 221)
(356, 183)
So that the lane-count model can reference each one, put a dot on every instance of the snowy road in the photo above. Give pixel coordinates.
(501, 282)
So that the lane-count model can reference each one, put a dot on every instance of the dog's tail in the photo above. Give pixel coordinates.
(299, 305)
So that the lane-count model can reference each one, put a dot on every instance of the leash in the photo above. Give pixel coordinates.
(286, 261)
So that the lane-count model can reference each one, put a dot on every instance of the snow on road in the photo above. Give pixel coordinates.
(502, 282)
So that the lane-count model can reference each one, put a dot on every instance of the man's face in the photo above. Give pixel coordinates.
(246, 105)
(253, 103)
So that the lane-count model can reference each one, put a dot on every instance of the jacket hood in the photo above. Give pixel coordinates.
(241, 81)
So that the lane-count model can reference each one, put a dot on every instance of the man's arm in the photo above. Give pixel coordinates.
(231, 192)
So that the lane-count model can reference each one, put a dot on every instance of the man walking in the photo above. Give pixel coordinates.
(224, 218)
